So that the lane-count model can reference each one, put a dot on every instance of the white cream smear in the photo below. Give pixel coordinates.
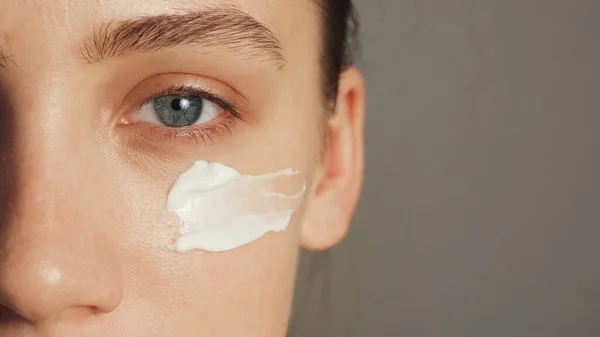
(221, 209)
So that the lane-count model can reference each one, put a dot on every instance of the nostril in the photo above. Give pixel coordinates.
(76, 314)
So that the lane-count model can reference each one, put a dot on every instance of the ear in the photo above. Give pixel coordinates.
(337, 186)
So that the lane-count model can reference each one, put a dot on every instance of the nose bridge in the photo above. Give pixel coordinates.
(43, 157)
(36, 199)
(53, 255)
(39, 176)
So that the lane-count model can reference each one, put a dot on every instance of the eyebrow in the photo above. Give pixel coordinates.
(213, 27)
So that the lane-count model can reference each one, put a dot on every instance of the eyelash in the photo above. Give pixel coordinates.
(204, 133)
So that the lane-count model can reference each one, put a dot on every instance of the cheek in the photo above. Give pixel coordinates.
(243, 292)
(200, 291)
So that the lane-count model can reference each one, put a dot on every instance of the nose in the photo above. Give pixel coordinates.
(56, 261)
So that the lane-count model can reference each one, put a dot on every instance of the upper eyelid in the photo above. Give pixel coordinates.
(188, 90)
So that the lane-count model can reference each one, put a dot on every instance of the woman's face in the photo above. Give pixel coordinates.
(90, 145)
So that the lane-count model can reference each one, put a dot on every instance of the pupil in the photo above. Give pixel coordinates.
(176, 104)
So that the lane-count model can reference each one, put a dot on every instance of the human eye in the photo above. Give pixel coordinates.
(182, 107)
(178, 111)
(187, 111)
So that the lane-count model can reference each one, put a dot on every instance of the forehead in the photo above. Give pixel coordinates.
(52, 25)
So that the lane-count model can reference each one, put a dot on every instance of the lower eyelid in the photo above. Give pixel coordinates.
(203, 133)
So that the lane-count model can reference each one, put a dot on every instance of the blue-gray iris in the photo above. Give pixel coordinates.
(178, 110)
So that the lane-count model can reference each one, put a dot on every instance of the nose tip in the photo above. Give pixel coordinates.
(32, 292)
(42, 290)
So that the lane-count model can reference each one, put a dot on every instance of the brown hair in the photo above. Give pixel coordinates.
(340, 29)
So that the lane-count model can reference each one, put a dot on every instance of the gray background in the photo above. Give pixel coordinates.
(481, 209)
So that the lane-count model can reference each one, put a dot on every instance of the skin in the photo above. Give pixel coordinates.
(84, 226)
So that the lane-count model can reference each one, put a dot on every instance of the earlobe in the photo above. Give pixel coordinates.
(339, 181)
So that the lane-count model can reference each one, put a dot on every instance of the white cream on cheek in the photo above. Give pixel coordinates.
(221, 210)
